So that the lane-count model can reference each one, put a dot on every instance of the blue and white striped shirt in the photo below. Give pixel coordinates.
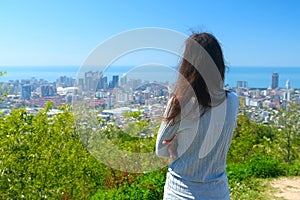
(203, 143)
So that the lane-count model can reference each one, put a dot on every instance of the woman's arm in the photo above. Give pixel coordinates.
(165, 138)
(172, 147)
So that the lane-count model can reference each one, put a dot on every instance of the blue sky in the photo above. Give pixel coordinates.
(252, 33)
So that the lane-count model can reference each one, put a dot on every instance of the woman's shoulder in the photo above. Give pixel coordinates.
(232, 97)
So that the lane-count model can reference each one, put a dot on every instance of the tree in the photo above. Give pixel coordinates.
(289, 122)
(252, 139)
(2, 92)
(43, 157)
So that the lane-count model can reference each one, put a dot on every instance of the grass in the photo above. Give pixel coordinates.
(253, 189)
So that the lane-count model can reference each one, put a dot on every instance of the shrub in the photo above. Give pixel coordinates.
(266, 167)
(43, 157)
(293, 169)
(258, 167)
(148, 186)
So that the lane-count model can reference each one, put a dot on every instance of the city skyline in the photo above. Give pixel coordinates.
(112, 98)
(96, 91)
(95, 81)
(257, 77)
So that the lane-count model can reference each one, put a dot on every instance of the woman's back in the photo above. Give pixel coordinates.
(205, 158)
(198, 124)
(203, 143)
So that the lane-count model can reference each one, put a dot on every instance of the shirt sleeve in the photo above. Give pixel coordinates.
(165, 132)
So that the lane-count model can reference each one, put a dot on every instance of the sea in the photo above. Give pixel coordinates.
(256, 76)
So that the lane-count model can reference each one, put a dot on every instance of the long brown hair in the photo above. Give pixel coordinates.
(188, 74)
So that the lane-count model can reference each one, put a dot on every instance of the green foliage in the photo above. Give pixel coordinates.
(254, 140)
(245, 179)
(134, 115)
(125, 149)
(259, 151)
(42, 157)
(257, 167)
(45, 156)
(147, 186)
(293, 169)
(251, 188)
(290, 133)
(251, 139)
(266, 167)
(2, 91)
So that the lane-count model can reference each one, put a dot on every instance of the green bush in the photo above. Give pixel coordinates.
(266, 167)
(251, 188)
(245, 179)
(148, 186)
(43, 157)
(238, 172)
(293, 169)
(258, 167)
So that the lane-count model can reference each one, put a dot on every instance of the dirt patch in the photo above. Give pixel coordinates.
(287, 188)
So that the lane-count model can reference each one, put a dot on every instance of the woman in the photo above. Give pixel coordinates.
(198, 124)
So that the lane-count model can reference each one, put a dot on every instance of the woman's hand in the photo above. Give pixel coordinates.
(172, 146)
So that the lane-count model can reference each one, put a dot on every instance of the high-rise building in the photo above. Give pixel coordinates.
(88, 77)
(81, 83)
(65, 81)
(26, 92)
(288, 90)
(104, 82)
(115, 81)
(123, 80)
(242, 84)
(288, 84)
(48, 90)
(91, 80)
(275, 80)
